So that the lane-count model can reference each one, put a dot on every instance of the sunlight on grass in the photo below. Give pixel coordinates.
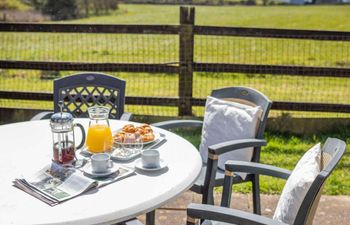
(295, 17)
(282, 150)
(285, 151)
(164, 49)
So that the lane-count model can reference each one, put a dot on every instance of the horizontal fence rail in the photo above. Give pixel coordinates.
(75, 66)
(153, 101)
(273, 33)
(89, 28)
(175, 29)
(273, 69)
(131, 100)
(186, 65)
(297, 106)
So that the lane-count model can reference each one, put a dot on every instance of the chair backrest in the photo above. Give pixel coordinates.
(80, 91)
(251, 97)
(332, 152)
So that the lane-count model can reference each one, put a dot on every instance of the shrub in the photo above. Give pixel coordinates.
(61, 9)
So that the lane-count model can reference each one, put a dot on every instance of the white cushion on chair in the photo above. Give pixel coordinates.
(298, 185)
(225, 121)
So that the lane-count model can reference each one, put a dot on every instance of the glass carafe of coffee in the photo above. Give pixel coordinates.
(62, 128)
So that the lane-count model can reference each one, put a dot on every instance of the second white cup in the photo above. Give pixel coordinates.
(101, 162)
(150, 158)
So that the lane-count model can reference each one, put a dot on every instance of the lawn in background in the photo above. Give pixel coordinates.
(284, 150)
(126, 48)
(315, 17)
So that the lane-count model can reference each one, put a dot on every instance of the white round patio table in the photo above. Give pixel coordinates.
(27, 147)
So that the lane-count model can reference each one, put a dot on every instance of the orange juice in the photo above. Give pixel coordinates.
(99, 138)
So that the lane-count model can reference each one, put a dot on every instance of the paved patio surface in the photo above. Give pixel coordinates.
(331, 210)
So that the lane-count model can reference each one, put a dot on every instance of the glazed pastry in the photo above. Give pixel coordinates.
(144, 130)
(130, 128)
(119, 137)
(147, 137)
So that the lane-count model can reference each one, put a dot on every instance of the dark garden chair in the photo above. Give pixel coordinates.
(80, 91)
(329, 156)
(211, 176)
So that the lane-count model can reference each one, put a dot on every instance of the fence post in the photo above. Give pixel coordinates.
(186, 60)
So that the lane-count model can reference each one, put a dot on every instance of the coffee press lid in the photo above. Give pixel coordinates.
(62, 120)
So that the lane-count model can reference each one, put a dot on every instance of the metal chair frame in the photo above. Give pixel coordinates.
(82, 90)
(334, 147)
(212, 176)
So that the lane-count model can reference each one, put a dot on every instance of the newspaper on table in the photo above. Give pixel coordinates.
(54, 183)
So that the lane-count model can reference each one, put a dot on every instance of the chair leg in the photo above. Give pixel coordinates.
(256, 195)
(151, 218)
(209, 182)
(208, 197)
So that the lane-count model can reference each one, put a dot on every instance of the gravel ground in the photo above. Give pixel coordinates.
(331, 209)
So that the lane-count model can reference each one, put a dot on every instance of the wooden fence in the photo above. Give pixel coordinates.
(186, 31)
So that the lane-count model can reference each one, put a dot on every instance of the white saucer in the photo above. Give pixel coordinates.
(162, 165)
(85, 151)
(88, 169)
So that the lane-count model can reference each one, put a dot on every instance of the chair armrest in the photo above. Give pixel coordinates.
(227, 146)
(126, 116)
(227, 215)
(41, 116)
(178, 123)
(257, 168)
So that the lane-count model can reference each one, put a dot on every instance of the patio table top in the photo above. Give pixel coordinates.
(27, 147)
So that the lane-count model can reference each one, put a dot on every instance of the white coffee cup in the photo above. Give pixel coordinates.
(101, 162)
(150, 158)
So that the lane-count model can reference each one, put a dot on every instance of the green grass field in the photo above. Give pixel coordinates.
(13, 4)
(126, 48)
(282, 150)
(295, 17)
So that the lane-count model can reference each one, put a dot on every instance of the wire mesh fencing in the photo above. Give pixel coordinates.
(169, 70)
(329, 87)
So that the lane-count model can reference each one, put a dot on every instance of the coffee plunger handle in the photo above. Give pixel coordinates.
(60, 104)
(83, 136)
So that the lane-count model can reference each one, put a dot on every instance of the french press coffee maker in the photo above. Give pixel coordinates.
(62, 128)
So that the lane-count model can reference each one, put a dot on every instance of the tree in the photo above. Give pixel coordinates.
(61, 9)
(113, 4)
(86, 7)
(72, 9)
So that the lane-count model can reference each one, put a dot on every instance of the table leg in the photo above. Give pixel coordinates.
(151, 217)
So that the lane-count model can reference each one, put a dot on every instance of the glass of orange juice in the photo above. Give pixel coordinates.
(99, 138)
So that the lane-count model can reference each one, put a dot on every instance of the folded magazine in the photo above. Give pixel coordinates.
(55, 183)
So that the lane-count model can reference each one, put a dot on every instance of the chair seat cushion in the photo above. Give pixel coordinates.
(224, 121)
(298, 185)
